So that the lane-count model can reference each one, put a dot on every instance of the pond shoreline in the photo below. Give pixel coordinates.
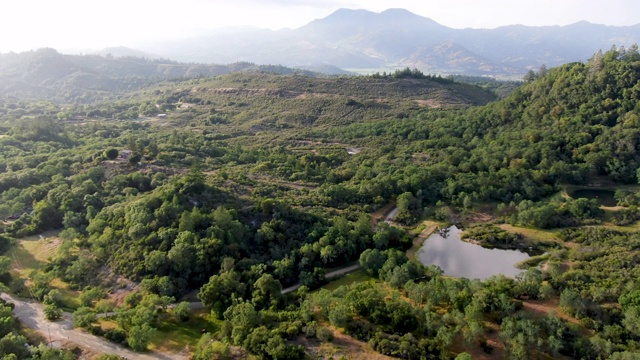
(460, 258)
(419, 240)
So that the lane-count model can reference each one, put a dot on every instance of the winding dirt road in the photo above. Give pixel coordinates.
(328, 276)
(31, 314)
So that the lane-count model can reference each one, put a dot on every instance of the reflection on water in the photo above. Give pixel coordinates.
(462, 259)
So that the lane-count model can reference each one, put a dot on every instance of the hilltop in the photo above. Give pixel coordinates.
(282, 101)
(45, 73)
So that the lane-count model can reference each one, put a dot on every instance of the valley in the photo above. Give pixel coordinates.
(293, 207)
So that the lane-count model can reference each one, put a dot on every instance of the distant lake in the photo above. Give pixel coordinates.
(604, 197)
(462, 259)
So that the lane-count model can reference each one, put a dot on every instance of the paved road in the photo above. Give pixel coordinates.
(30, 313)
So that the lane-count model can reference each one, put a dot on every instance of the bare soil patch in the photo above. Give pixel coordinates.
(382, 212)
(547, 307)
(480, 217)
(341, 345)
(492, 336)
(430, 103)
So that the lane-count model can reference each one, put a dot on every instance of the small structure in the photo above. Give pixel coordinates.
(125, 154)
(162, 116)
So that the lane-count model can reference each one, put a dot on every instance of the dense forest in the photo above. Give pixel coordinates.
(237, 186)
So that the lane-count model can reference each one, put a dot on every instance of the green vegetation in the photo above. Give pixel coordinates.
(348, 279)
(255, 182)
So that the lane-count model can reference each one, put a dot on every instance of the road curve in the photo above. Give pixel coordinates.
(391, 215)
(31, 314)
(328, 276)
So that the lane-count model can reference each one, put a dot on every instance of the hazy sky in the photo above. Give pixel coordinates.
(95, 24)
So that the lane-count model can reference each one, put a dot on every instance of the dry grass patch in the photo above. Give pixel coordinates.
(428, 227)
(382, 212)
(492, 335)
(175, 335)
(33, 252)
(341, 345)
(348, 279)
(548, 307)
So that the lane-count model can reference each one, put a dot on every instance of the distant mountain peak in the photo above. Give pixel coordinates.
(362, 39)
(392, 14)
(398, 13)
(347, 14)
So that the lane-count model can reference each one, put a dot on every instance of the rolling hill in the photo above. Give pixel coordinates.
(45, 73)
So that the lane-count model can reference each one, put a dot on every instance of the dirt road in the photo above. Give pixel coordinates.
(391, 215)
(30, 313)
(328, 276)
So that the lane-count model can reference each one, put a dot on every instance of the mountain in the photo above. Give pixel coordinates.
(121, 51)
(364, 40)
(84, 78)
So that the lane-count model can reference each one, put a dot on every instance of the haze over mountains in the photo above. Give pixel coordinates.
(364, 40)
(354, 40)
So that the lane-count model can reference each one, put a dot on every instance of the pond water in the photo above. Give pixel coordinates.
(604, 197)
(462, 259)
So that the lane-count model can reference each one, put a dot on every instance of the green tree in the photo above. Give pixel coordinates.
(90, 295)
(111, 154)
(183, 311)
(52, 312)
(43, 352)
(242, 318)
(14, 344)
(464, 356)
(84, 317)
(372, 261)
(209, 349)
(139, 335)
(266, 291)
(220, 290)
(104, 306)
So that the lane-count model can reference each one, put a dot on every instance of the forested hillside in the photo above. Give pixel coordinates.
(241, 185)
(82, 79)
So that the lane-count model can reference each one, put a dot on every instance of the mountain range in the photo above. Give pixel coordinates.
(360, 40)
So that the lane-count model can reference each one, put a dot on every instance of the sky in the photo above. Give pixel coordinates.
(96, 24)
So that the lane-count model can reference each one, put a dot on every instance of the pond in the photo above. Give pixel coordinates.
(604, 197)
(462, 259)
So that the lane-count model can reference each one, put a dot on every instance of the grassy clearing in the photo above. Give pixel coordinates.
(174, 335)
(107, 323)
(31, 254)
(348, 279)
(628, 228)
(532, 234)
(341, 347)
